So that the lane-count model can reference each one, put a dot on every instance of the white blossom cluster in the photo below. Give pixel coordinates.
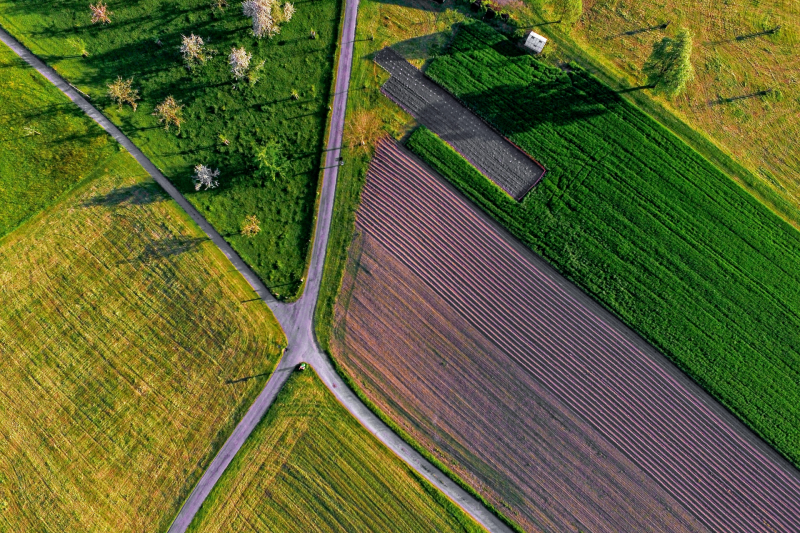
(239, 61)
(205, 177)
(267, 16)
(192, 49)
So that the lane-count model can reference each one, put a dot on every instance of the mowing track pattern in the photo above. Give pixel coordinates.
(601, 431)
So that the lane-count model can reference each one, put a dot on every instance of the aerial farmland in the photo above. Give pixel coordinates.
(399, 265)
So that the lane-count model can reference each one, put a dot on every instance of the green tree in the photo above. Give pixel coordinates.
(271, 161)
(569, 10)
(669, 67)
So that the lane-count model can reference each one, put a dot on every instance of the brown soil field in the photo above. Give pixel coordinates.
(527, 389)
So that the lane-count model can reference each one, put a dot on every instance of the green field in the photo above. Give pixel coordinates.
(123, 331)
(217, 109)
(644, 224)
(310, 466)
(48, 146)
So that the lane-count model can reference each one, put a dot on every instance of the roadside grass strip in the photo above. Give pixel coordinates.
(283, 104)
(310, 466)
(641, 222)
(130, 348)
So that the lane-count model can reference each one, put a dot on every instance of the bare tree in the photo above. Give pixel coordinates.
(205, 177)
(239, 61)
(100, 13)
(122, 92)
(192, 50)
(169, 112)
(363, 131)
(219, 4)
(251, 226)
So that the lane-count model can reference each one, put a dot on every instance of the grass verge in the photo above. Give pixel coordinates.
(310, 465)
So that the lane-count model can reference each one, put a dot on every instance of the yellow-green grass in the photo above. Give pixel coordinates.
(48, 146)
(758, 131)
(123, 332)
(310, 466)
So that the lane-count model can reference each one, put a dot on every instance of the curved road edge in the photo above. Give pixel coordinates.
(296, 318)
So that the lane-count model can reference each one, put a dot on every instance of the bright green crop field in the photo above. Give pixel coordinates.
(225, 120)
(310, 466)
(643, 223)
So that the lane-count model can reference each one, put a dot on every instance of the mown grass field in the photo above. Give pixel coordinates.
(48, 146)
(142, 41)
(310, 466)
(643, 223)
(730, 61)
(122, 330)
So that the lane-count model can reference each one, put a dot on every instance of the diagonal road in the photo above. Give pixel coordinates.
(297, 319)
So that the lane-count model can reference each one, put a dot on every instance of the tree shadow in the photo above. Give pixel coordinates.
(169, 247)
(141, 194)
(247, 378)
(720, 100)
(639, 30)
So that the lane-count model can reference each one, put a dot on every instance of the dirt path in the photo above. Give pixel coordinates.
(296, 318)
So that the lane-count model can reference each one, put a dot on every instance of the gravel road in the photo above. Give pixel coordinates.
(296, 318)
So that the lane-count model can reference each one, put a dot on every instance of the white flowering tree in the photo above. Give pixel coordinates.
(239, 61)
(205, 177)
(193, 51)
(267, 16)
(100, 13)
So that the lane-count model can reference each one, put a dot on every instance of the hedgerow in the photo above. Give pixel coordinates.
(643, 223)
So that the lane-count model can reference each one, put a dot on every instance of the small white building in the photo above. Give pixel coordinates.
(534, 42)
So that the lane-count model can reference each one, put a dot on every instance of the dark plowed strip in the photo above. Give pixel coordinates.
(546, 403)
(510, 168)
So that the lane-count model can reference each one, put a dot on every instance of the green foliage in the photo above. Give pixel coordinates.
(46, 142)
(143, 42)
(271, 161)
(321, 471)
(643, 223)
(669, 67)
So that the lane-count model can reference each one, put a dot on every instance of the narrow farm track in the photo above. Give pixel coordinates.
(296, 318)
(668, 456)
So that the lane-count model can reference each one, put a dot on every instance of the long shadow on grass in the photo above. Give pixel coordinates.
(142, 194)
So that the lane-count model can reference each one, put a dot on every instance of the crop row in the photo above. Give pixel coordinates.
(643, 223)
(502, 162)
(684, 465)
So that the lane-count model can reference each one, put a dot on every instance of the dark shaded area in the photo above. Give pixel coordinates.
(143, 194)
(170, 247)
(505, 164)
(720, 100)
(640, 30)
(247, 378)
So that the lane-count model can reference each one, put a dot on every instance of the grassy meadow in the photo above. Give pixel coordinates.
(123, 332)
(225, 121)
(310, 466)
(732, 63)
(48, 146)
(643, 223)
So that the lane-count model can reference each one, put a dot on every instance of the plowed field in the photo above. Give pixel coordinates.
(536, 396)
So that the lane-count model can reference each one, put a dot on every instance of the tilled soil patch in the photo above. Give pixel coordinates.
(540, 399)
(496, 157)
